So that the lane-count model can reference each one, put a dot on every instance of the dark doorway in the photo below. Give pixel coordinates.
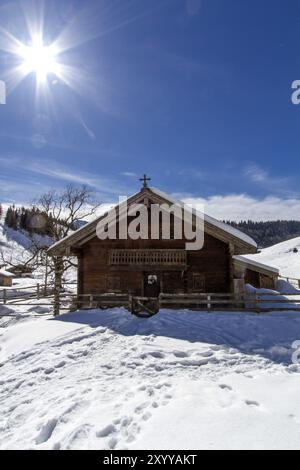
(152, 285)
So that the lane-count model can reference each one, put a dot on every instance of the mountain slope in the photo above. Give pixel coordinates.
(285, 256)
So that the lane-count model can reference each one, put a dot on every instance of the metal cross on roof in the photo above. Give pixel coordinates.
(145, 180)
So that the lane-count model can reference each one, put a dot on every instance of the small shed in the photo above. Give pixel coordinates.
(257, 274)
(6, 278)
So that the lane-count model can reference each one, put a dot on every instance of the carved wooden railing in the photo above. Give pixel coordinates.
(148, 257)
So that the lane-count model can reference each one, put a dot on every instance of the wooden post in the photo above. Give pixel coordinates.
(208, 302)
(4, 296)
(239, 291)
(57, 285)
(231, 267)
(46, 276)
(91, 301)
(38, 292)
(130, 302)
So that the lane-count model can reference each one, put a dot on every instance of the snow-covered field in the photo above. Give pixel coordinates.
(181, 380)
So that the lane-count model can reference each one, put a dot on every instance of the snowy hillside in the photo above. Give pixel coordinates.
(181, 380)
(284, 256)
(15, 249)
(14, 245)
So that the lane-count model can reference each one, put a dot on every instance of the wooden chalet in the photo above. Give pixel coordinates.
(149, 267)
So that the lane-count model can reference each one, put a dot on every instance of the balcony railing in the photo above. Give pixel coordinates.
(148, 257)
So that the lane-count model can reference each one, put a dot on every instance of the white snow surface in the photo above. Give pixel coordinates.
(180, 380)
(284, 256)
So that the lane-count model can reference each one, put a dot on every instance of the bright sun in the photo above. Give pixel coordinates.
(39, 59)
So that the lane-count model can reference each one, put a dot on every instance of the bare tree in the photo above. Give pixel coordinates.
(60, 212)
(63, 210)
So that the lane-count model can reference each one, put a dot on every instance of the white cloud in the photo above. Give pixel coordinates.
(105, 187)
(130, 174)
(270, 183)
(256, 174)
(243, 207)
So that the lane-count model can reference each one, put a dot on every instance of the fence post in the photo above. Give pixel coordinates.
(238, 293)
(4, 296)
(257, 299)
(38, 291)
(91, 301)
(131, 304)
(208, 302)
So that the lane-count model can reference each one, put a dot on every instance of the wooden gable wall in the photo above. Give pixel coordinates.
(208, 270)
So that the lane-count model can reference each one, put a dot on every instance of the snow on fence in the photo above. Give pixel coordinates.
(291, 280)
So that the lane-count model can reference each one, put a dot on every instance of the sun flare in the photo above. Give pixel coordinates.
(39, 59)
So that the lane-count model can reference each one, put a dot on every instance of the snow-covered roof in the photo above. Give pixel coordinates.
(210, 220)
(255, 264)
(6, 273)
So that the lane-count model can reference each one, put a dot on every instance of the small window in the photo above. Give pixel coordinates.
(199, 283)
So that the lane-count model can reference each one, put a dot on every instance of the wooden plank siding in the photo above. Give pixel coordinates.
(211, 264)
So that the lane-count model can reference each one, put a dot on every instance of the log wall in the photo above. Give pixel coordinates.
(207, 270)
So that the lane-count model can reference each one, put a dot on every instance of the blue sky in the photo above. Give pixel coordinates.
(196, 93)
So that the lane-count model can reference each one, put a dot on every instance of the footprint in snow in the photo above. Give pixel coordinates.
(60, 364)
(162, 384)
(46, 431)
(252, 403)
(180, 354)
(112, 443)
(106, 431)
(146, 416)
(155, 354)
(139, 409)
(206, 354)
(225, 387)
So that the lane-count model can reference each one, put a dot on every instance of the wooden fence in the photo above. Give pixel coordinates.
(209, 302)
(295, 282)
(35, 295)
